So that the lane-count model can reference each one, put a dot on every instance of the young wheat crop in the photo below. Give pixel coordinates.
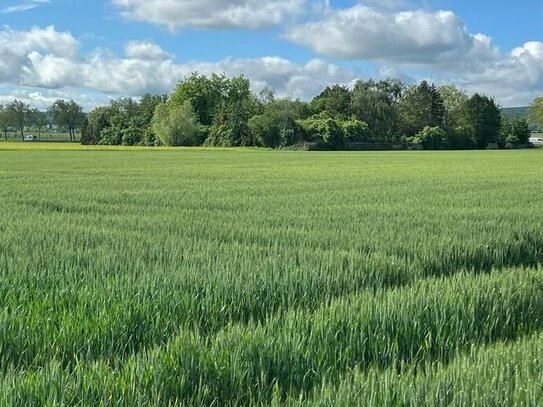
(249, 277)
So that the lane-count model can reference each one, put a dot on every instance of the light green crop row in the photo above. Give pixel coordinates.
(290, 355)
(504, 374)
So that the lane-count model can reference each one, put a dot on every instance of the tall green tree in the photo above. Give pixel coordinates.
(19, 115)
(98, 120)
(205, 94)
(230, 124)
(68, 115)
(535, 113)
(126, 121)
(421, 106)
(223, 105)
(290, 132)
(481, 117)
(4, 121)
(391, 86)
(148, 104)
(39, 119)
(515, 130)
(335, 101)
(375, 103)
(176, 125)
(276, 124)
(453, 100)
(266, 95)
(126, 114)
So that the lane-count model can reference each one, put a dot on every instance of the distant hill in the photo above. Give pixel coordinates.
(519, 113)
(516, 112)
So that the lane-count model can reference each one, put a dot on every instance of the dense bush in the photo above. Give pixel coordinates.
(110, 136)
(515, 131)
(176, 125)
(276, 125)
(355, 130)
(460, 139)
(324, 130)
(432, 138)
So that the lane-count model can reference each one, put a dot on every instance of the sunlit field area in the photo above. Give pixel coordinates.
(171, 277)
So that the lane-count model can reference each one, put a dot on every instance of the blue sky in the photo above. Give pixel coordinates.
(96, 50)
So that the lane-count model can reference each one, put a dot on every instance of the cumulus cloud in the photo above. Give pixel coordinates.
(46, 58)
(43, 62)
(409, 36)
(404, 38)
(105, 72)
(45, 39)
(17, 48)
(146, 51)
(174, 14)
(515, 78)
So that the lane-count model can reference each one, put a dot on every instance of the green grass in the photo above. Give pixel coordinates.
(44, 136)
(134, 276)
(19, 145)
(503, 374)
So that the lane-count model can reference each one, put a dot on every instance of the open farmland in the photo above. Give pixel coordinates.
(251, 277)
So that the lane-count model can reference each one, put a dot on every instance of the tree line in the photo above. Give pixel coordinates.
(18, 116)
(217, 110)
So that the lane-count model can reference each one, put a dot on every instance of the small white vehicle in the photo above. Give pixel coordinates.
(537, 141)
(31, 137)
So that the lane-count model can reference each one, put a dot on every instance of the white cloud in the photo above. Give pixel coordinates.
(146, 51)
(48, 59)
(18, 47)
(438, 43)
(410, 36)
(45, 39)
(44, 62)
(515, 78)
(24, 6)
(174, 14)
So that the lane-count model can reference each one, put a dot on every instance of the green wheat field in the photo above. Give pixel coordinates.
(193, 277)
